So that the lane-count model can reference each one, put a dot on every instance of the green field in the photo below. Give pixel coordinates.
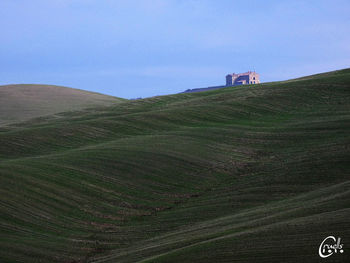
(22, 102)
(243, 174)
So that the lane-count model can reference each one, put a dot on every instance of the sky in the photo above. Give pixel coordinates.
(143, 48)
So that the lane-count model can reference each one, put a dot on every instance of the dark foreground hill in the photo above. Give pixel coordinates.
(244, 174)
(23, 102)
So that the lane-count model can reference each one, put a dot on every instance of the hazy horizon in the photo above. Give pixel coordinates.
(147, 48)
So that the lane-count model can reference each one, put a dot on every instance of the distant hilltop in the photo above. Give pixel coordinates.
(249, 77)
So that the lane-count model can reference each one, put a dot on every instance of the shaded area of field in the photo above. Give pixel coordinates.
(244, 174)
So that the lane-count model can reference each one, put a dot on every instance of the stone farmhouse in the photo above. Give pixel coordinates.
(250, 77)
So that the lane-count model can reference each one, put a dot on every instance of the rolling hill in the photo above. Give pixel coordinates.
(241, 174)
(23, 102)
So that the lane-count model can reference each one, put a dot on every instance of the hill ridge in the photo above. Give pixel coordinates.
(148, 180)
(21, 102)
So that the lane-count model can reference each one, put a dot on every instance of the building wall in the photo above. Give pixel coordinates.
(243, 79)
(229, 80)
(254, 78)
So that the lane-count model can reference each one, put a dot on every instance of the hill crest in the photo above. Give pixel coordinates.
(21, 102)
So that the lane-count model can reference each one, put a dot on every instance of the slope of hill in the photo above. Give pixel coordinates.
(243, 174)
(203, 89)
(23, 102)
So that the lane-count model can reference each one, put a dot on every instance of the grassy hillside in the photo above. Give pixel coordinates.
(23, 102)
(243, 174)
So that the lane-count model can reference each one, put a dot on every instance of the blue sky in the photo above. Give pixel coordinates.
(153, 47)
